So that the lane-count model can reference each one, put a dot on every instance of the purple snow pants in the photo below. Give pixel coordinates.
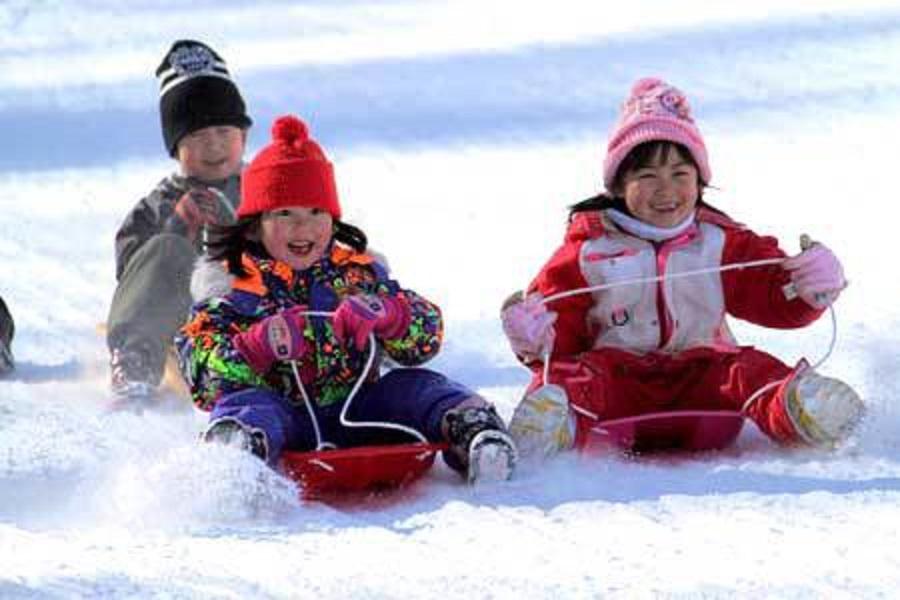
(413, 397)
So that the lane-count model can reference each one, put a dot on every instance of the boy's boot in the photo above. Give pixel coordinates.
(824, 410)
(131, 384)
(479, 440)
(231, 432)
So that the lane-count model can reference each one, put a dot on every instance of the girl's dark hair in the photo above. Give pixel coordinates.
(599, 202)
(350, 235)
(229, 242)
(640, 156)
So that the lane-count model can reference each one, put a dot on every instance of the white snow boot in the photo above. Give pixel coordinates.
(824, 410)
(542, 424)
(479, 440)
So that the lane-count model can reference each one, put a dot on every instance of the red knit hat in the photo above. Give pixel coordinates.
(291, 171)
(654, 111)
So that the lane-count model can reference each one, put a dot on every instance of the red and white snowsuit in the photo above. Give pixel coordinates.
(665, 345)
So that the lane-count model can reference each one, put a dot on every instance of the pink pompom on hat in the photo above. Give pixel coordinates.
(291, 171)
(654, 111)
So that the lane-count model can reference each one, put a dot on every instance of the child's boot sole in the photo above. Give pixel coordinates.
(492, 457)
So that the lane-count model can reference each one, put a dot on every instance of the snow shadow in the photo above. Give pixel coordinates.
(626, 483)
(539, 92)
(752, 467)
(29, 372)
(26, 497)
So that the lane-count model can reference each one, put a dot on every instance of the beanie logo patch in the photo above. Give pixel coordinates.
(661, 101)
(191, 60)
(186, 61)
(675, 103)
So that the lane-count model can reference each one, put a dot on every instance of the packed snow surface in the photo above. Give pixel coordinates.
(460, 133)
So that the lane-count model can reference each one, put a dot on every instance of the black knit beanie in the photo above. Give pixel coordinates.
(196, 91)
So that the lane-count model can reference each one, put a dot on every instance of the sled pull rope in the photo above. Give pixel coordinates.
(223, 200)
(220, 196)
(370, 360)
(804, 244)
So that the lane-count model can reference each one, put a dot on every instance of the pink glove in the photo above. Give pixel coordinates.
(528, 326)
(387, 317)
(817, 275)
(279, 337)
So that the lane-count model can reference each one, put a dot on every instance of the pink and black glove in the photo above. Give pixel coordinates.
(528, 326)
(387, 317)
(817, 275)
(197, 208)
(279, 337)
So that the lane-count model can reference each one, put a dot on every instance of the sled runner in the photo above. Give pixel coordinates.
(671, 431)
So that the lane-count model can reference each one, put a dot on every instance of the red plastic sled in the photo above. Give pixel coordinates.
(684, 431)
(325, 473)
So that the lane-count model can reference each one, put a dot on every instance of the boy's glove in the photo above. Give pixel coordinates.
(387, 317)
(197, 208)
(817, 275)
(528, 326)
(279, 337)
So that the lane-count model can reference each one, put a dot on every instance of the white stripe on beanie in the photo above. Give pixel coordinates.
(179, 80)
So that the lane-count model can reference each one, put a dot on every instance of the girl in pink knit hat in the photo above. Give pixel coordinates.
(292, 319)
(648, 338)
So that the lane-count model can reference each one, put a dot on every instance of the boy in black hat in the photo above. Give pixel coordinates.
(204, 126)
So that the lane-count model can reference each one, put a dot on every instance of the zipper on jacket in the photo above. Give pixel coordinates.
(666, 326)
(663, 250)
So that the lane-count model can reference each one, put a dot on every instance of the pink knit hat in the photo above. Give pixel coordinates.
(654, 111)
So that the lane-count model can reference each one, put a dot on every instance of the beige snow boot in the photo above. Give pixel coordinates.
(542, 424)
(824, 410)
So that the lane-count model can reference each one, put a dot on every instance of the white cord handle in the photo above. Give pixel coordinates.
(204, 229)
(730, 267)
(721, 268)
(370, 360)
(223, 200)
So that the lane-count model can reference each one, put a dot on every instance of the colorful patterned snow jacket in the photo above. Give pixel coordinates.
(672, 315)
(226, 305)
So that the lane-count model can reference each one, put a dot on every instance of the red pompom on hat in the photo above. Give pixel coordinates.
(654, 111)
(291, 171)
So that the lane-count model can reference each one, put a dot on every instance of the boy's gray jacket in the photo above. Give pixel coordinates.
(153, 213)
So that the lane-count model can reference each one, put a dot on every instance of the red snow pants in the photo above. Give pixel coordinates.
(610, 383)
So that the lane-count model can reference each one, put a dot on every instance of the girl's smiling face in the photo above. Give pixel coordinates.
(296, 235)
(664, 191)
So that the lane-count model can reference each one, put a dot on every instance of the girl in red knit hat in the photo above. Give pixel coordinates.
(286, 311)
(650, 334)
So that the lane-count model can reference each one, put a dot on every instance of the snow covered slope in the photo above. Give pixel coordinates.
(460, 132)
